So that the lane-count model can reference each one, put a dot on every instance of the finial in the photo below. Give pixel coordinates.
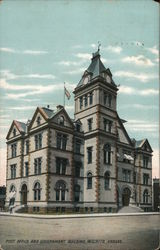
(99, 45)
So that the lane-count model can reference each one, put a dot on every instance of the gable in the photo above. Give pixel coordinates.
(146, 146)
(122, 133)
(62, 118)
(39, 118)
(13, 131)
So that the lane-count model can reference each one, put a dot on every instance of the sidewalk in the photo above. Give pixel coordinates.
(68, 216)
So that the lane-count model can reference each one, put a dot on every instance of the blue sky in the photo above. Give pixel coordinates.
(44, 43)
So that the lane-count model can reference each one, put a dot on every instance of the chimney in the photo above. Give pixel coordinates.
(48, 106)
(59, 107)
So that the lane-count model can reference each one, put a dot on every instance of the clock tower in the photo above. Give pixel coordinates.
(95, 107)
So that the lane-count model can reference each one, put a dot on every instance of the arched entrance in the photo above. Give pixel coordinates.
(24, 194)
(126, 196)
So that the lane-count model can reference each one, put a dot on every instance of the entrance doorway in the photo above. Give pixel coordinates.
(24, 194)
(126, 196)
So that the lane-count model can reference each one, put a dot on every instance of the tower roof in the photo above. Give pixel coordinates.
(95, 69)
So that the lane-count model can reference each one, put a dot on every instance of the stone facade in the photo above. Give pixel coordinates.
(89, 164)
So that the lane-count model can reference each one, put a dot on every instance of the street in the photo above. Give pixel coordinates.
(138, 232)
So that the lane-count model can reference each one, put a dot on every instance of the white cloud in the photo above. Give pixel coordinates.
(153, 50)
(149, 92)
(138, 106)
(84, 56)
(69, 63)
(10, 76)
(94, 46)
(78, 46)
(8, 50)
(114, 49)
(134, 75)
(29, 52)
(75, 72)
(144, 92)
(138, 60)
(34, 52)
(141, 125)
(23, 108)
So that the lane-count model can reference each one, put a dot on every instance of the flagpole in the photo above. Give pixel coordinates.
(64, 95)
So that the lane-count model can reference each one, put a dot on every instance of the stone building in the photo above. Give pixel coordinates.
(89, 163)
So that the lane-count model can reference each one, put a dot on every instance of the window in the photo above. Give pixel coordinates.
(61, 141)
(106, 180)
(26, 168)
(145, 196)
(135, 177)
(89, 180)
(78, 127)
(145, 179)
(78, 146)
(86, 100)
(14, 132)
(145, 161)
(13, 171)
(90, 98)
(14, 150)
(107, 99)
(27, 146)
(126, 175)
(77, 168)
(37, 191)
(12, 188)
(37, 165)
(38, 141)
(60, 189)
(61, 165)
(90, 121)
(89, 154)
(76, 193)
(107, 154)
(61, 120)
(107, 125)
(38, 120)
(81, 102)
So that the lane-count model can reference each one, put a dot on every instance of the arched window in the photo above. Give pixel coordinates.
(14, 132)
(77, 193)
(107, 154)
(106, 180)
(89, 180)
(38, 120)
(145, 196)
(37, 191)
(61, 120)
(12, 188)
(60, 190)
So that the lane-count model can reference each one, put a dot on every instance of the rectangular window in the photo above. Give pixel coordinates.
(37, 165)
(86, 100)
(78, 146)
(14, 150)
(13, 171)
(90, 98)
(81, 102)
(61, 141)
(135, 177)
(61, 165)
(90, 121)
(26, 168)
(77, 168)
(145, 161)
(89, 154)
(38, 141)
(126, 175)
(27, 146)
(107, 125)
(145, 179)
(107, 99)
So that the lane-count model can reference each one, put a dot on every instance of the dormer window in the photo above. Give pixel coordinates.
(61, 120)
(38, 120)
(14, 132)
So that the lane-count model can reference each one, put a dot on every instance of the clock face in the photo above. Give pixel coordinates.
(108, 79)
(86, 79)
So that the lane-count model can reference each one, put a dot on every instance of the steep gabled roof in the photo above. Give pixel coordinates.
(95, 69)
(140, 143)
(48, 112)
(21, 127)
